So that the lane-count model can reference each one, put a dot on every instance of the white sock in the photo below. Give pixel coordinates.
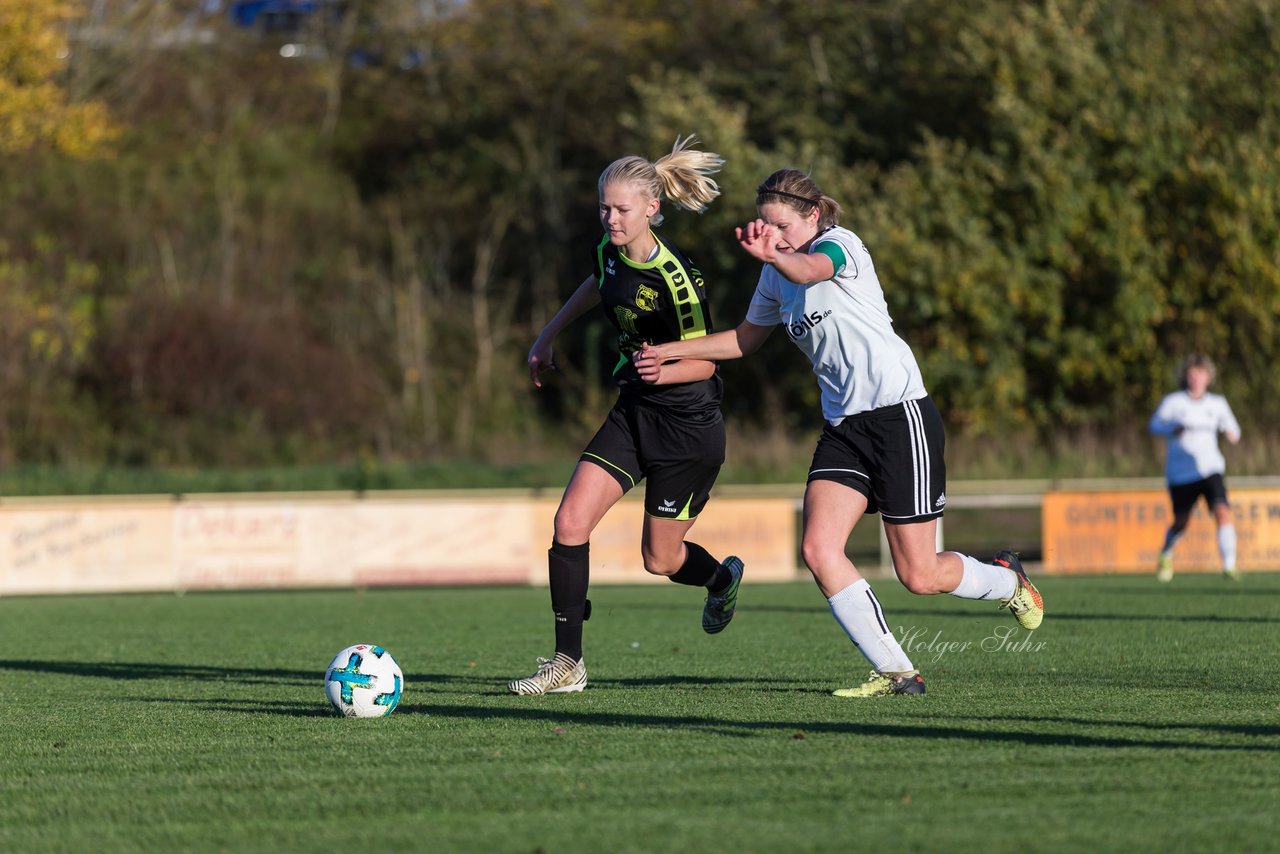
(858, 612)
(984, 580)
(1227, 547)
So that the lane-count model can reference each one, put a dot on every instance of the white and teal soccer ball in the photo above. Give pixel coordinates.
(363, 681)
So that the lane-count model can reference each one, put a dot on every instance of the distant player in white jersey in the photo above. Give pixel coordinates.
(882, 440)
(1190, 420)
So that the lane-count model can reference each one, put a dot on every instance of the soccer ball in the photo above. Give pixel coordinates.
(363, 681)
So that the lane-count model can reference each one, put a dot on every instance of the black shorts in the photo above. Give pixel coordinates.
(1185, 495)
(678, 454)
(893, 456)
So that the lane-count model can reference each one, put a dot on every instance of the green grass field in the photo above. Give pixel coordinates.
(1139, 717)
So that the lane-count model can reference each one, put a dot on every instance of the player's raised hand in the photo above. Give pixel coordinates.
(758, 238)
(540, 359)
(648, 361)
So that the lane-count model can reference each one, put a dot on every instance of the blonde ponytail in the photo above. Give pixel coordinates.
(683, 176)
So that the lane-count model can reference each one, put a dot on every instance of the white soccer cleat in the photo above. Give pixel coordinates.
(559, 675)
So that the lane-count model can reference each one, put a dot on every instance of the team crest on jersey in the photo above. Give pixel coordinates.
(608, 267)
(646, 298)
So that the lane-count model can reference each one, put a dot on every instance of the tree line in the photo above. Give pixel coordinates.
(216, 254)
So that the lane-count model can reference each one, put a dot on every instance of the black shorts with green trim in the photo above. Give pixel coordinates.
(893, 455)
(677, 454)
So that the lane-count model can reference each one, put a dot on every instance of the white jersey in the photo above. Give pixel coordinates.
(843, 326)
(1193, 454)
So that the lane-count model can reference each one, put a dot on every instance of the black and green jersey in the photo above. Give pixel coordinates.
(656, 301)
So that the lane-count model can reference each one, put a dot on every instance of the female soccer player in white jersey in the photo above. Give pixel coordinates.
(881, 446)
(667, 430)
(1190, 420)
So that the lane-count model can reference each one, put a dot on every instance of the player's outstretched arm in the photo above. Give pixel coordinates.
(762, 242)
(735, 343)
(541, 355)
(681, 371)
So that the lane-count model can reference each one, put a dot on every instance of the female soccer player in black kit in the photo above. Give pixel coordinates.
(669, 432)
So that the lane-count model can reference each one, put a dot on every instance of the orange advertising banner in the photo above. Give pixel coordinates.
(1104, 532)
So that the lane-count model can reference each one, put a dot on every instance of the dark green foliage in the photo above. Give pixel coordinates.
(1062, 200)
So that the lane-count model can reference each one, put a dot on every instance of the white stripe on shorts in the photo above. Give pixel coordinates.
(919, 456)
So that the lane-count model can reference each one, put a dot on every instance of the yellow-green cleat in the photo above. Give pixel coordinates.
(559, 675)
(1164, 568)
(1026, 603)
(885, 685)
(719, 607)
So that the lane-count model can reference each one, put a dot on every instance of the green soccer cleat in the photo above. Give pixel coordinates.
(719, 607)
(559, 675)
(884, 685)
(1164, 568)
(1026, 603)
(1232, 574)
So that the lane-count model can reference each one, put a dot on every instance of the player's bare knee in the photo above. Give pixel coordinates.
(571, 530)
(817, 555)
(664, 565)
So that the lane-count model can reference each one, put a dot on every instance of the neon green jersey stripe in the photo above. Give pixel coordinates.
(684, 298)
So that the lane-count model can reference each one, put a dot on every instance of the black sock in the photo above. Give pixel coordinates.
(721, 580)
(568, 568)
(700, 569)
